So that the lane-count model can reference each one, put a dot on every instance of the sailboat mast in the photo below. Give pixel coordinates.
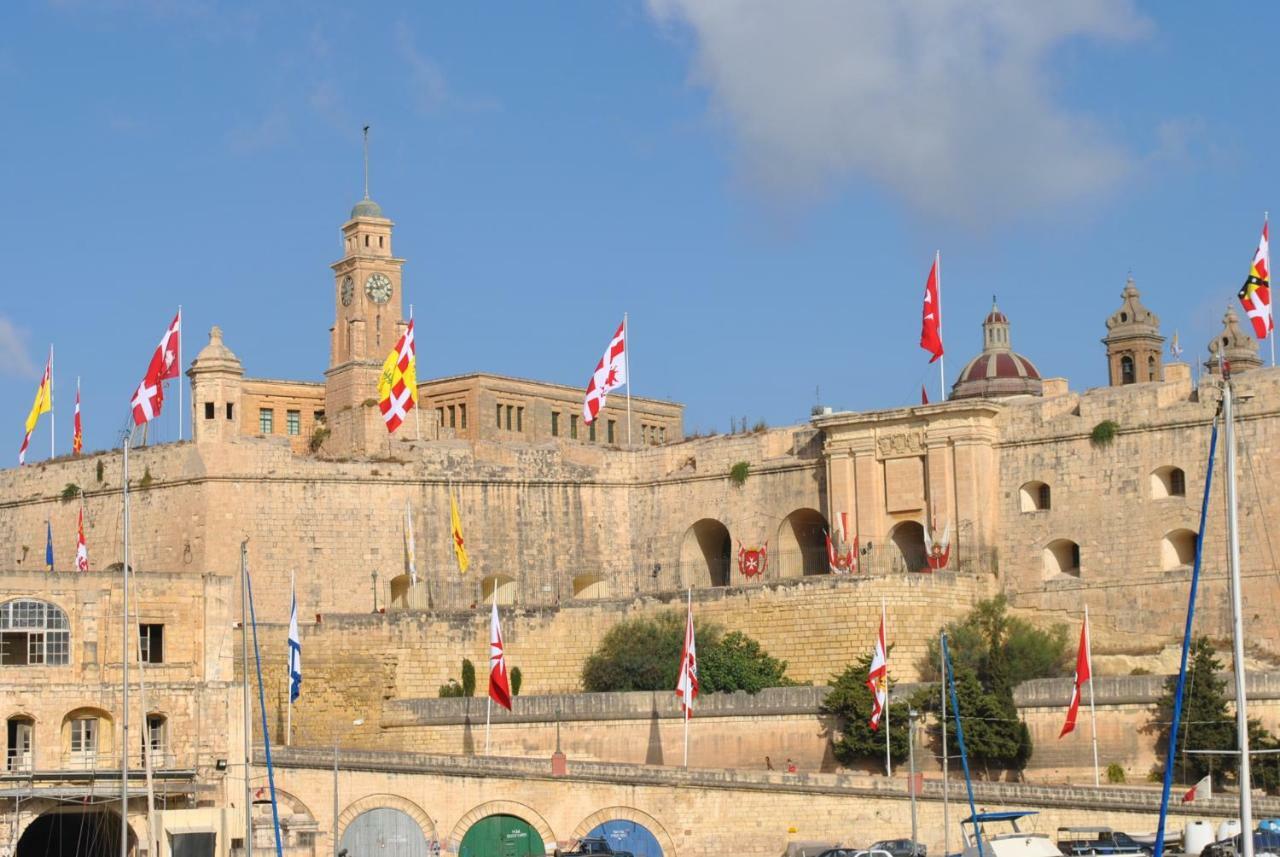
(1244, 777)
(244, 695)
(124, 664)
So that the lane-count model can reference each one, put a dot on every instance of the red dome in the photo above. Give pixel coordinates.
(1007, 364)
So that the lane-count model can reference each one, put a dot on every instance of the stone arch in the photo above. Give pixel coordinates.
(400, 586)
(801, 544)
(105, 738)
(627, 813)
(502, 807)
(586, 586)
(908, 537)
(705, 552)
(1034, 496)
(1177, 549)
(1061, 556)
(505, 585)
(19, 744)
(385, 801)
(109, 828)
(1168, 481)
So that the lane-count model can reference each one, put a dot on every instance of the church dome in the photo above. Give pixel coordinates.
(366, 208)
(998, 370)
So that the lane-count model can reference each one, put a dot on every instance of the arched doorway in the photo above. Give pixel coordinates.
(908, 537)
(626, 835)
(74, 832)
(705, 553)
(504, 585)
(501, 836)
(801, 544)
(387, 832)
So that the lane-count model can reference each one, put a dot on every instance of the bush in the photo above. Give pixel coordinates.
(468, 677)
(1115, 774)
(989, 641)
(850, 701)
(644, 654)
(70, 492)
(1104, 433)
(451, 689)
(146, 480)
(318, 437)
(99, 468)
(739, 472)
(516, 679)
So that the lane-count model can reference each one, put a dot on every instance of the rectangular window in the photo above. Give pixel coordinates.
(510, 409)
(19, 746)
(152, 640)
(230, 411)
(499, 423)
(35, 648)
(13, 649)
(293, 422)
(208, 410)
(462, 416)
(519, 419)
(154, 739)
(613, 425)
(266, 420)
(555, 423)
(440, 417)
(84, 736)
(453, 417)
(591, 434)
(573, 426)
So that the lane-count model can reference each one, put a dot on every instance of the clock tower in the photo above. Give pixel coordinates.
(368, 319)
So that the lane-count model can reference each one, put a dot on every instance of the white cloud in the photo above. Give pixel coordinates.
(945, 103)
(424, 75)
(13, 351)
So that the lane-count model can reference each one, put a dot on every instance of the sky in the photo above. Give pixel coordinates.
(761, 186)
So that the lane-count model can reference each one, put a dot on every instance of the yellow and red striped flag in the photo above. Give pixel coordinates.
(77, 434)
(398, 385)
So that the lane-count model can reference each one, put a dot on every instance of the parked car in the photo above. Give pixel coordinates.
(900, 848)
(1078, 841)
(595, 847)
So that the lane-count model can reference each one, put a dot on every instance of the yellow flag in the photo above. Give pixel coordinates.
(459, 544)
(44, 400)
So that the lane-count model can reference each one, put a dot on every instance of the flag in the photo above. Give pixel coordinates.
(295, 652)
(48, 544)
(687, 683)
(42, 405)
(149, 396)
(1175, 348)
(459, 543)
(1255, 294)
(1083, 674)
(878, 678)
(398, 384)
(1200, 791)
(77, 433)
(931, 323)
(610, 374)
(924, 397)
(82, 550)
(938, 553)
(409, 552)
(499, 687)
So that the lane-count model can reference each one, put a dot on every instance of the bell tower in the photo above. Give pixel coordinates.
(368, 319)
(1135, 348)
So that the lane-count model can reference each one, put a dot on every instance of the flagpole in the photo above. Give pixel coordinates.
(688, 699)
(288, 727)
(181, 336)
(888, 762)
(51, 411)
(417, 405)
(942, 359)
(946, 802)
(1271, 309)
(488, 706)
(1093, 712)
(626, 356)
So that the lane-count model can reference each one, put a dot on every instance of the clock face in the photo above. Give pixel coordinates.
(348, 291)
(378, 288)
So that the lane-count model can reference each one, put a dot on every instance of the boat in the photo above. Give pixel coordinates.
(998, 834)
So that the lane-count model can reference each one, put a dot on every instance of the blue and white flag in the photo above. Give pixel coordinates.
(295, 653)
(48, 544)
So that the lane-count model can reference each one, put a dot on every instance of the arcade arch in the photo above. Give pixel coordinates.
(802, 544)
(705, 553)
(610, 821)
(908, 537)
(505, 811)
(74, 831)
(389, 816)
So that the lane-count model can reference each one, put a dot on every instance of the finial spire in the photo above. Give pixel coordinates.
(366, 162)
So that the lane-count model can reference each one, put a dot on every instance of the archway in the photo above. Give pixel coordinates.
(523, 812)
(501, 835)
(705, 553)
(1061, 556)
(802, 544)
(590, 586)
(385, 831)
(908, 537)
(74, 832)
(400, 586)
(1177, 549)
(505, 586)
(627, 829)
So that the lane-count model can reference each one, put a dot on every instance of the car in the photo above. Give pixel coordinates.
(595, 847)
(1078, 841)
(900, 848)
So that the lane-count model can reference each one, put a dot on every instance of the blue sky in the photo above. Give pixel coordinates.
(761, 186)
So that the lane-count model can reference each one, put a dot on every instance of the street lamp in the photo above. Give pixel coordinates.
(912, 714)
(359, 721)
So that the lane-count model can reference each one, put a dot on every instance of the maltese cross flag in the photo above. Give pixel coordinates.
(149, 396)
(610, 374)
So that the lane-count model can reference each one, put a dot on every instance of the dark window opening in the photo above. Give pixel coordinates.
(555, 423)
(151, 638)
(1126, 370)
(230, 410)
(1045, 497)
(1177, 482)
(613, 424)
(208, 410)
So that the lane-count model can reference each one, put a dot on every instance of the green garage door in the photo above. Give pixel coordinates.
(501, 836)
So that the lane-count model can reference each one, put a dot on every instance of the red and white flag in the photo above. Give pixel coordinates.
(878, 678)
(1084, 673)
(82, 550)
(149, 396)
(77, 432)
(1255, 294)
(499, 686)
(687, 683)
(1202, 790)
(610, 374)
(931, 322)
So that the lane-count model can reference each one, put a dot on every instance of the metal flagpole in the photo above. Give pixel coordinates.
(626, 356)
(288, 721)
(181, 336)
(488, 708)
(124, 664)
(688, 699)
(942, 359)
(51, 411)
(1271, 312)
(1243, 778)
(1093, 712)
(888, 762)
(417, 405)
(946, 802)
(244, 689)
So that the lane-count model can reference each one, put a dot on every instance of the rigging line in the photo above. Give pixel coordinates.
(1262, 511)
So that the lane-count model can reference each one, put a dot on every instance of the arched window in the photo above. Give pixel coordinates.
(18, 748)
(1034, 497)
(33, 632)
(87, 738)
(705, 552)
(1126, 370)
(1177, 549)
(590, 586)
(505, 587)
(1168, 481)
(1061, 556)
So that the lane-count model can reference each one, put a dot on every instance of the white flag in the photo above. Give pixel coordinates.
(410, 554)
(687, 685)
(611, 373)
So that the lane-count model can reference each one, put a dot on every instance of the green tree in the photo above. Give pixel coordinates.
(517, 679)
(850, 701)
(468, 677)
(993, 734)
(1000, 648)
(644, 654)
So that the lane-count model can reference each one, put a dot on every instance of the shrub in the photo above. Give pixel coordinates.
(850, 701)
(70, 492)
(468, 677)
(99, 468)
(739, 472)
(1115, 774)
(988, 640)
(146, 480)
(318, 437)
(516, 679)
(451, 689)
(1104, 433)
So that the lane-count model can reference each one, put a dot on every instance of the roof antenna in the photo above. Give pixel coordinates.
(366, 162)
